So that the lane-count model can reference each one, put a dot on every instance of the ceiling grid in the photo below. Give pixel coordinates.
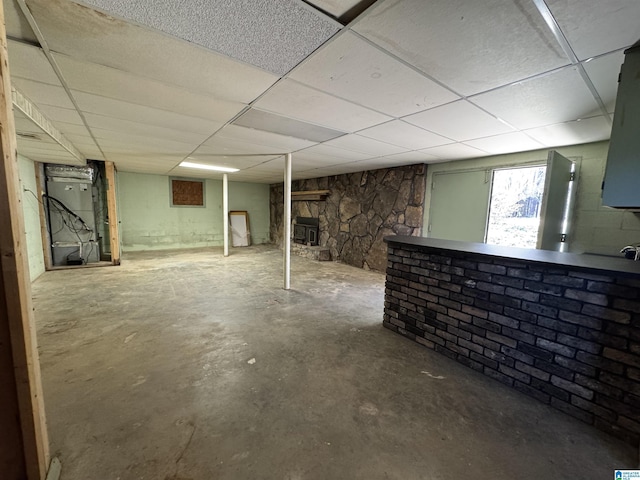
(148, 84)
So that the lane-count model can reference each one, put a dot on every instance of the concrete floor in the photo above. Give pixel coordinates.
(188, 366)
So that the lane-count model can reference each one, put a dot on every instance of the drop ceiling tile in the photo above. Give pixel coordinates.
(80, 140)
(27, 61)
(92, 153)
(119, 142)
(272, 167)
(404, 135)
(304, 175)
(555, 98)
(303, 164)
(324, 150)
(86, 35)
(25, 125)
(46, 150)
(455, 151)
(506, 143)
(57, 114)
(164, 161)
(108, 82)
(603, 72)
(71, 128)
(407, 158)
(594, 27)
(361, 144)
(143, 129)
(287, 32)
(332, 170)
(94, 104)
(16, 25)
(144, 164)
(353, 69)
(459, 121)
(282, 143)
(300, 102)
(336, 8)
(572, 133)
(220, 145)
(43, 93)
(306, 159)
(469, 46)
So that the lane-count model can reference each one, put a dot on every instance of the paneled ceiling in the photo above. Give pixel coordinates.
(345, 85)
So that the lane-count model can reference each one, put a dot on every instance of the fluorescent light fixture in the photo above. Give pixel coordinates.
(208, 167)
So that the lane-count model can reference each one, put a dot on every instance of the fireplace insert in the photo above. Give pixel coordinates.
(305, 231)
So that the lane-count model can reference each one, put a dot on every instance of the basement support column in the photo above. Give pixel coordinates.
(112, 212)
(287, 221)
(225, 212)
(24, 444)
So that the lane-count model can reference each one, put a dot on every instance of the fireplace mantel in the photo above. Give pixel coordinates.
(312, 195)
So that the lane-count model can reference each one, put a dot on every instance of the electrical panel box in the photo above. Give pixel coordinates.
(72, 221)
(622, 176)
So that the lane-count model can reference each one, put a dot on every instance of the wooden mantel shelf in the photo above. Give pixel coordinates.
(317, 195)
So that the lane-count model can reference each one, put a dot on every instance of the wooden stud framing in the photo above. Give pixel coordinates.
(44, 232)
(16, 310)
(114, 235)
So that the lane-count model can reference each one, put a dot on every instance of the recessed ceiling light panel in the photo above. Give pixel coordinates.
(208, 167)
(270, 122)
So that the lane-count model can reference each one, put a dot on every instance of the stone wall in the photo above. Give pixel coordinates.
(361, 209)
(564, 336)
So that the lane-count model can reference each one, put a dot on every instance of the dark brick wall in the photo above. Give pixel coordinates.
(566, 337)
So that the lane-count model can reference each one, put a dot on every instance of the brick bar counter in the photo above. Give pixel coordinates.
(563, 328)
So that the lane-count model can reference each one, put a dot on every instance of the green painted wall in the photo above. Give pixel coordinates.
(30, 208)
(594, 228)
(148, 222)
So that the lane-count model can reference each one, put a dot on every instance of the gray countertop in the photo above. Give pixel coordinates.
(578, 260)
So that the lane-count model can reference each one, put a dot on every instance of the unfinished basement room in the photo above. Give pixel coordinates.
(320, 239)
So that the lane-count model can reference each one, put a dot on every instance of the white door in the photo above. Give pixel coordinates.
(553, 211)
(459, 205)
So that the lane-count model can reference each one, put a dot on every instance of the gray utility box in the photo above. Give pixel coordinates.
(622, 177)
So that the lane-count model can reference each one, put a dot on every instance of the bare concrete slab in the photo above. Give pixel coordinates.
(186, 365)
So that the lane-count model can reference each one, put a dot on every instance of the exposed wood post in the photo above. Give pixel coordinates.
(112, 211)
(44, 232)
(24, 444)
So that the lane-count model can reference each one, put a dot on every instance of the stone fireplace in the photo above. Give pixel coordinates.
(305, 231)
(359, 210)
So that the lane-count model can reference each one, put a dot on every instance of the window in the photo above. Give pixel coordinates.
(514, 209)
(186, 193)
(520, 206)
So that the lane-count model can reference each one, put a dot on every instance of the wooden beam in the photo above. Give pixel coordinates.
(16, 310)
(310, 195)
(311, 192)
(112, 211)
(44, 232)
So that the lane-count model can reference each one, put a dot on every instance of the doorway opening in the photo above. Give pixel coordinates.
(515, 206)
